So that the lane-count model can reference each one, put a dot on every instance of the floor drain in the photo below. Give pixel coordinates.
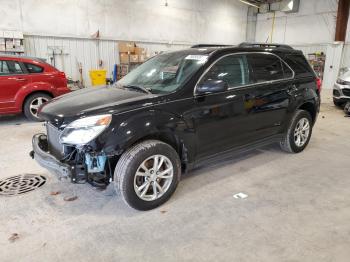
(20, 184)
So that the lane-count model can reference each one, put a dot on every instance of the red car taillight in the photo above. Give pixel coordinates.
(319, 84)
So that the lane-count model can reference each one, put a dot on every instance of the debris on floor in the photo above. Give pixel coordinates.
(163, 211)
(70, 198)
(13, 237)
(240, 195)
(55, 193)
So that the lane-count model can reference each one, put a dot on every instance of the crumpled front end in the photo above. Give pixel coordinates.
(79, 164)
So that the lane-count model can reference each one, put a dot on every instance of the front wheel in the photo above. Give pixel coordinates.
(147, 174)
(298, 134)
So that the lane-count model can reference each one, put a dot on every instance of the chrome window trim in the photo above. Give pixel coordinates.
(248, 85)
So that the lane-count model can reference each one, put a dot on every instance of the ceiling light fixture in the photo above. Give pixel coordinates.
(248, 3)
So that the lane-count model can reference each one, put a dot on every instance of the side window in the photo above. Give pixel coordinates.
(299, 64)
(288, 73)
(233, 69)
(265, 67)
(4, 70)
(33, 68)
(14, 67)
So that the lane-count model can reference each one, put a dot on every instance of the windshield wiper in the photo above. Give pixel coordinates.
(147, 91)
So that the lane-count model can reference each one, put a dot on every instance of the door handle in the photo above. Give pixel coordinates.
(20, 79)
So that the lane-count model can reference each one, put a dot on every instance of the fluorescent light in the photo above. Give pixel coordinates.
(247, 3)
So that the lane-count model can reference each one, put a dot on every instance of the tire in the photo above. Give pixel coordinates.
(32, 104)
(289, 143)
(129, 185)
(338, 104)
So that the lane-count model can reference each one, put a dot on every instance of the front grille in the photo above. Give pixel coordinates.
(336, 93)
(53, 138)
(346, 91)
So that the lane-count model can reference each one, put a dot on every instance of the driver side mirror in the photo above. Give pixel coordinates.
(211, 86)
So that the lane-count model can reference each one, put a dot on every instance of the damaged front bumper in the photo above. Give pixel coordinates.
(42, 155)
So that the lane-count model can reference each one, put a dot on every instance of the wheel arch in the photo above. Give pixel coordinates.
(310, 108)
(33, 93)
(170, 139)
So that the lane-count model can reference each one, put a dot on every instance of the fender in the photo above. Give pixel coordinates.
(148, 124)
(31, 88)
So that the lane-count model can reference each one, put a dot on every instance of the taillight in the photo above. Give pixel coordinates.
(319, 84)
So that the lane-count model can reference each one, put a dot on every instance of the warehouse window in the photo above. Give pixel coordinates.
(232, 69)
(4, 70)
(265, 67)
(33, 68)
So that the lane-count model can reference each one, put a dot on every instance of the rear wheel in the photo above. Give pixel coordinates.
(298, 134)
(147, 174)
(32, 104)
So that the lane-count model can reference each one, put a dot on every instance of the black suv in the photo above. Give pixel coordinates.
(176, 111)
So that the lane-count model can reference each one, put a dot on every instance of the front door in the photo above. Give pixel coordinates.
(220, 119)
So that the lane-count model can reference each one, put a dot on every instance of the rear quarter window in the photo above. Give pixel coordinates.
(299, 65)
(31, 68)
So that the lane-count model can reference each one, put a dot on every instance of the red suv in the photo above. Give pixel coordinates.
(26, 83)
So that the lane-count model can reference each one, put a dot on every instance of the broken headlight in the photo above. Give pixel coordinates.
(83, 130)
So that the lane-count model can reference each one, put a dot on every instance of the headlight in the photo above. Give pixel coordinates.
(343, 82)
(83, 130)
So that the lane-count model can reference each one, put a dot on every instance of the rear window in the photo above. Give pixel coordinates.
(33, 68)
(265, 67)
(299, 65)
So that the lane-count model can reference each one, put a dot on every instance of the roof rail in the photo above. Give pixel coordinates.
(207, 45)
(268, 45)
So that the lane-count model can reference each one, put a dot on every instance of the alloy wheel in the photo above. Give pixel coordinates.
(301, 132)
(35, 104)
(153, 177)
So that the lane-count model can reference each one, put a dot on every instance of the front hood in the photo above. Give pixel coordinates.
(90, 101)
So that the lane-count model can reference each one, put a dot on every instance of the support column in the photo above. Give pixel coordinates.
(342, 20)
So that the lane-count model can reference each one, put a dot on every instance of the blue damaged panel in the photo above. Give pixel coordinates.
(95, 164)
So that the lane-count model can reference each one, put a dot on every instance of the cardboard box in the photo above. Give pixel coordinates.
(139, 51)
(9, 44)
(126, 47)
(124, 58)
(142, 58)
(8, 34)
(134, 58)
(18, 35)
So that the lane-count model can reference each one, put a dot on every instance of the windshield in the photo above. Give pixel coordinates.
(164, 73)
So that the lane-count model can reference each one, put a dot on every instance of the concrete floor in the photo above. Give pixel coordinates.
(297, 207)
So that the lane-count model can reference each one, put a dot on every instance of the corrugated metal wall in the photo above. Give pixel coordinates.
(84, 51)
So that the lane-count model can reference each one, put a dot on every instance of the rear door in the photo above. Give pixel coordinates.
(271, 95)
(12, 78)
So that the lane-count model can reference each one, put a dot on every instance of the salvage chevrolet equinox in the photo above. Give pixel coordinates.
(177, 111)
